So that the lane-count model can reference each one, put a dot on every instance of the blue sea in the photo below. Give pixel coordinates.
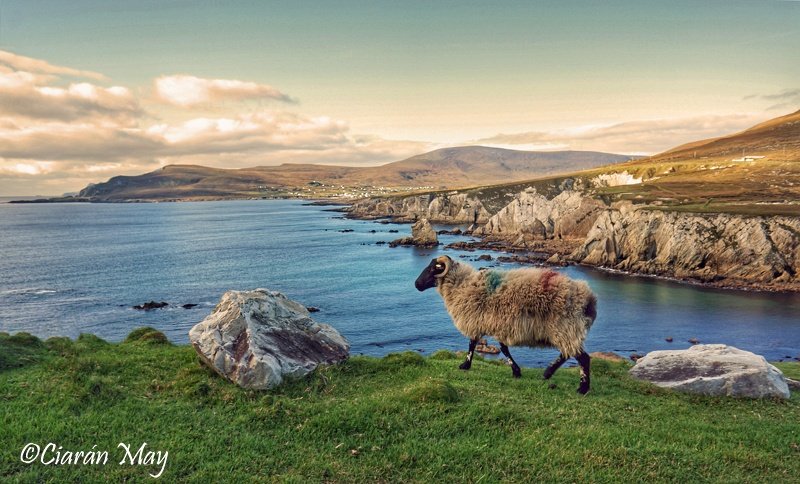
(67, 269)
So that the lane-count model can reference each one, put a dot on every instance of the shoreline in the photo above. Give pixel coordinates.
(501, 245)
(159, 200)
(488, 243)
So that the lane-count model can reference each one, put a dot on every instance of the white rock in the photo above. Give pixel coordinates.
(257, 338)
(717, 370)
(615, 179)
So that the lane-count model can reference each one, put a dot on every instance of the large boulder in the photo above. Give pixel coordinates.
(258, 338)
(717, 370)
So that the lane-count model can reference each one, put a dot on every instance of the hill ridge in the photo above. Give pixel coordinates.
(450, 167)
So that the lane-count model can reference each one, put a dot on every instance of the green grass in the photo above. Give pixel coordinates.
(398, 418)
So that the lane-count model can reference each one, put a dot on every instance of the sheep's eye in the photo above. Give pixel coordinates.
(439, 266)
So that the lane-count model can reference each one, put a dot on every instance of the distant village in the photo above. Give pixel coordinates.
(316, 189)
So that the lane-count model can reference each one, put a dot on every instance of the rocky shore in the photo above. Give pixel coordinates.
(572, 227)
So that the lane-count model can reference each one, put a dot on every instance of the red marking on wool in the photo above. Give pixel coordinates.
(545, 280)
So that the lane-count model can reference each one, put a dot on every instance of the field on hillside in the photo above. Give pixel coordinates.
(761, 187)
(398, 418)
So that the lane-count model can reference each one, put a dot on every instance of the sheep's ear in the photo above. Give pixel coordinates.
(445, 261)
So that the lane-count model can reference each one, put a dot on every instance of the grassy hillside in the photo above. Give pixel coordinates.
(399, 418)
(706, 176)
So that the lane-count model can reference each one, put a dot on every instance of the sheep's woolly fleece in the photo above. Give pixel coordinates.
(523, 307)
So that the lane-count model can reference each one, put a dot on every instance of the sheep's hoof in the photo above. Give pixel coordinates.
(466, 365)
(583, 389)
(516, 372)
(547, 375)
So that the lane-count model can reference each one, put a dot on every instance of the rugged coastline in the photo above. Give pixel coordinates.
(721, 250)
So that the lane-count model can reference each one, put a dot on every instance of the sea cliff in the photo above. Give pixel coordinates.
(450, 207)
(726, 250)
(723, 250)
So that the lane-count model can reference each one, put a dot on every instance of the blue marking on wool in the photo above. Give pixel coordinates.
(494, 279)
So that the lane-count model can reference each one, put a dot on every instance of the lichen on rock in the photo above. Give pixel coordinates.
(258, 338)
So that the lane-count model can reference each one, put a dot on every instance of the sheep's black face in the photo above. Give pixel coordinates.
(427, 279)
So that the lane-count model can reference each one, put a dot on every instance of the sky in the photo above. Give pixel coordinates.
(94, 89)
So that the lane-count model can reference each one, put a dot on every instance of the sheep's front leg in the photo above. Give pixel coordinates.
(468, 362)
(514, 366)
(585, 362)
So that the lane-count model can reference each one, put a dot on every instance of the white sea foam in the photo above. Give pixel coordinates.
(37, 291)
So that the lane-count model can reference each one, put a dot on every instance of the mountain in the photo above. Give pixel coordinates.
(202, 182)
(472, 165)
(445, 168)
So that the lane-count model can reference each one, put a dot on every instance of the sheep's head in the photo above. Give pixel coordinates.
(435, 271)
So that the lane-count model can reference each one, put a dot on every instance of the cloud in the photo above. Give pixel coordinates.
(191, 91)
(27, 167)
(255, 134)
(635, 137)
(27, 64)
(35, 93)
(76, 141)
(786, 99)
(20, 95)
(786, 94)
(58, 134)
(80, 153)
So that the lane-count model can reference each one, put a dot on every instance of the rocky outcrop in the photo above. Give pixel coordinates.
(719, 248)
(607, 356)
(438, 207)
(715, 370)
(724, 250)
(258, 338)
(570, 214)
(149, 306)
(422, 235)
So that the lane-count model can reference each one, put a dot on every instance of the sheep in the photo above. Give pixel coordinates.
(540, 308)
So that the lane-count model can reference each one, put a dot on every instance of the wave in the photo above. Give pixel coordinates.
(35, 291)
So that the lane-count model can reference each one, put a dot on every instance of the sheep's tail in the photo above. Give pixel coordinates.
(590, 309)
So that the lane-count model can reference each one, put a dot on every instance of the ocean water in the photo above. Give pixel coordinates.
(72, 268)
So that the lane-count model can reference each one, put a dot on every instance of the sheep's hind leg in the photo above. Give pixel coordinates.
(514, 366)
(585, 362)
(468, 362)
(555, 365)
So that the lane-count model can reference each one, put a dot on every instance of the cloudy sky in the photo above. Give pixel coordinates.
(92, 89)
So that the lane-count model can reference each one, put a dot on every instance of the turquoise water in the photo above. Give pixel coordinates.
(72, 268)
